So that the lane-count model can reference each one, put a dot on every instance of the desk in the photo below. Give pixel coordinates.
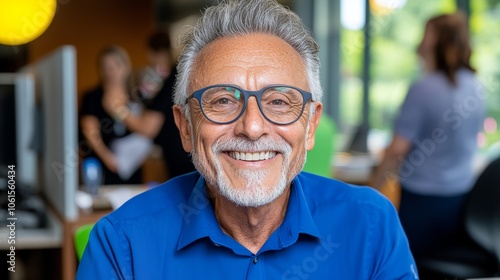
(354, 168)
(69, 260)
(357, 169)
(40, 238)
(68, 254)
(37, 250)
(58, 234)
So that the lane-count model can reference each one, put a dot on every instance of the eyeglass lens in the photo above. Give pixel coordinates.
(279, 104)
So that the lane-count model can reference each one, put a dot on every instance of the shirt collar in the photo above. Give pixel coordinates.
(199, 219)
(298, 219)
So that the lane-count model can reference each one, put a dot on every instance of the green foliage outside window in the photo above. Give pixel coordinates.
(395, 36)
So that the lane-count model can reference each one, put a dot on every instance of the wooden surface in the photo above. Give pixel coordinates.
(69, 261)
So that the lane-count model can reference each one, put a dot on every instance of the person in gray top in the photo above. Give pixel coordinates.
(435, 137)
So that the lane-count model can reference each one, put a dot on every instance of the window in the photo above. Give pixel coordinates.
(396, 28)
(485, 31)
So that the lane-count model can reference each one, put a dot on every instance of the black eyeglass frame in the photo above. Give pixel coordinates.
(306, 96)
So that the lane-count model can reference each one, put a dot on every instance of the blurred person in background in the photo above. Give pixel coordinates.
(103, 110)
(157, 121)
(435, 137)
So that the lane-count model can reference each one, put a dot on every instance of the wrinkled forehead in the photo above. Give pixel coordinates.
(252, 59)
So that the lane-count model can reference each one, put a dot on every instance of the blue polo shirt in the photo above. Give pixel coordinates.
(331, 230)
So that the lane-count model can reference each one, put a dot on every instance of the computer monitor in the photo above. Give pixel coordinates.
(17, 109)
(359, 140)
(17, 123)
(56, 128)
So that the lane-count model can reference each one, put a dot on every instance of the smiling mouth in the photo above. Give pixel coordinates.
(256, 156)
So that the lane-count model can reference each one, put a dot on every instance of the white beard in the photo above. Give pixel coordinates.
(255, 191)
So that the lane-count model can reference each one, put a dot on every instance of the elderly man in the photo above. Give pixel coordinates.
(247, 106)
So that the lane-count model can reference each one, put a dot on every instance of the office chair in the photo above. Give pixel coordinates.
(81, 239)
(477, 253)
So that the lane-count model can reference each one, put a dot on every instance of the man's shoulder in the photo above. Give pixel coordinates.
(342, 209)
(331, 192)
(162, 200)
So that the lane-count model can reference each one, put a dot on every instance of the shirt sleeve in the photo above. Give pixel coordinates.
(106, 255)
(393, 258)
(411, 118)
(90, 104)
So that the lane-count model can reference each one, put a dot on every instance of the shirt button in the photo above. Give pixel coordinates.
(217, 244)
(255, 260)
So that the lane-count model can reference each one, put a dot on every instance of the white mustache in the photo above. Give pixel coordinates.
(244, 145)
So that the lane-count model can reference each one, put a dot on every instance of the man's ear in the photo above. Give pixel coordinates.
(313, 124)
(184, 128)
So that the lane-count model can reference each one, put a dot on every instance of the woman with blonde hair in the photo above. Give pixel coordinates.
(100, 120)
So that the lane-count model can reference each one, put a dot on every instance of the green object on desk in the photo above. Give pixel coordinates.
(320, 158)
(81, 239)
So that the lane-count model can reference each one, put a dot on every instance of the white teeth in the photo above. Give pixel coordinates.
(255, 156)
(252, 156)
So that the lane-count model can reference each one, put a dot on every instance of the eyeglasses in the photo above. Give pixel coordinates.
(224, 104)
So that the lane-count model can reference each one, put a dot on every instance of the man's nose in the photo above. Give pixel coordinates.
(252, 124)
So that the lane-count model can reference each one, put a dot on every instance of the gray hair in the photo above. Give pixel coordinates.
(232, 18)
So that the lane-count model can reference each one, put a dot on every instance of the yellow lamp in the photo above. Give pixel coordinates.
(385, 7)
(24, 21)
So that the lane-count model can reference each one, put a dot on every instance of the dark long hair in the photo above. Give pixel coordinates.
(452, 49)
